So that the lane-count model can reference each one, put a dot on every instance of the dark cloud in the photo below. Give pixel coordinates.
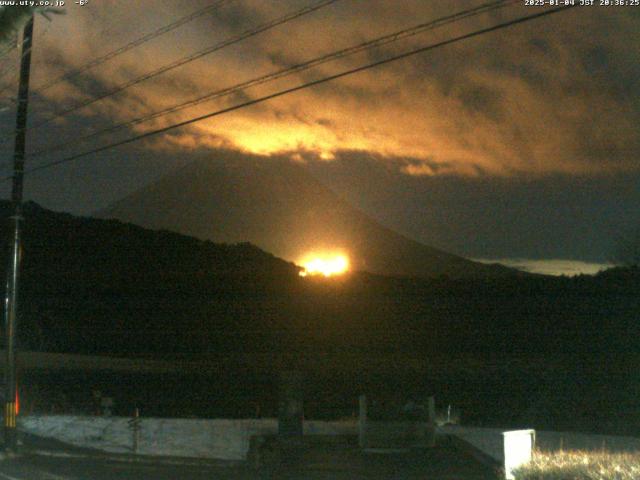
(536, 99)
(483, 100)
(554, 217)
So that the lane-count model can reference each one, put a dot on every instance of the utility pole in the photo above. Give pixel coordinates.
(13, 272)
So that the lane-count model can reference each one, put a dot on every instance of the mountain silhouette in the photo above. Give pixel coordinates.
(277, 205)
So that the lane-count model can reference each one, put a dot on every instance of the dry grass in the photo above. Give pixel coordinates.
(581, 465)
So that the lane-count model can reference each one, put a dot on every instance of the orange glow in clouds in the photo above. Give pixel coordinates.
(326, 265)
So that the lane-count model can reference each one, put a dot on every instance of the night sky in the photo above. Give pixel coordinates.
(518, 144)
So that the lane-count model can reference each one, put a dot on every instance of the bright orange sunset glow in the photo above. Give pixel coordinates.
(326, 265)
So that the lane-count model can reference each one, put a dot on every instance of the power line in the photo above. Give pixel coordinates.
(8, 86)
(119, 51)
(133, 44)
(5, 105)
(13, 69)
(299, 87)
(219, 46)
(377, 42)
(7, 71)
(125, 48)
(5, 52)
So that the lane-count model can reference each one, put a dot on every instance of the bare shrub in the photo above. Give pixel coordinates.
(580, 465)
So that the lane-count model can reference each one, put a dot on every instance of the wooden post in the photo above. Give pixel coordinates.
(362, 421)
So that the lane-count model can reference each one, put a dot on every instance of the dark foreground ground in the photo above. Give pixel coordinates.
(322, 461)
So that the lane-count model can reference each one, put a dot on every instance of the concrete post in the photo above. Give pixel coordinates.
(136, 430)
(518, 446)
(362, 421)
(290, 408)
(431, 422)
(134, 425)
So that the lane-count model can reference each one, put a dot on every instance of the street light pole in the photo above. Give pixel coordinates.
(13, 273)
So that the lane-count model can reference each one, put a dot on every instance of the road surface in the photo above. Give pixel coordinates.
(323, 461)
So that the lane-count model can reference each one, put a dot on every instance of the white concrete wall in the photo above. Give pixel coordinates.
(216, 439)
